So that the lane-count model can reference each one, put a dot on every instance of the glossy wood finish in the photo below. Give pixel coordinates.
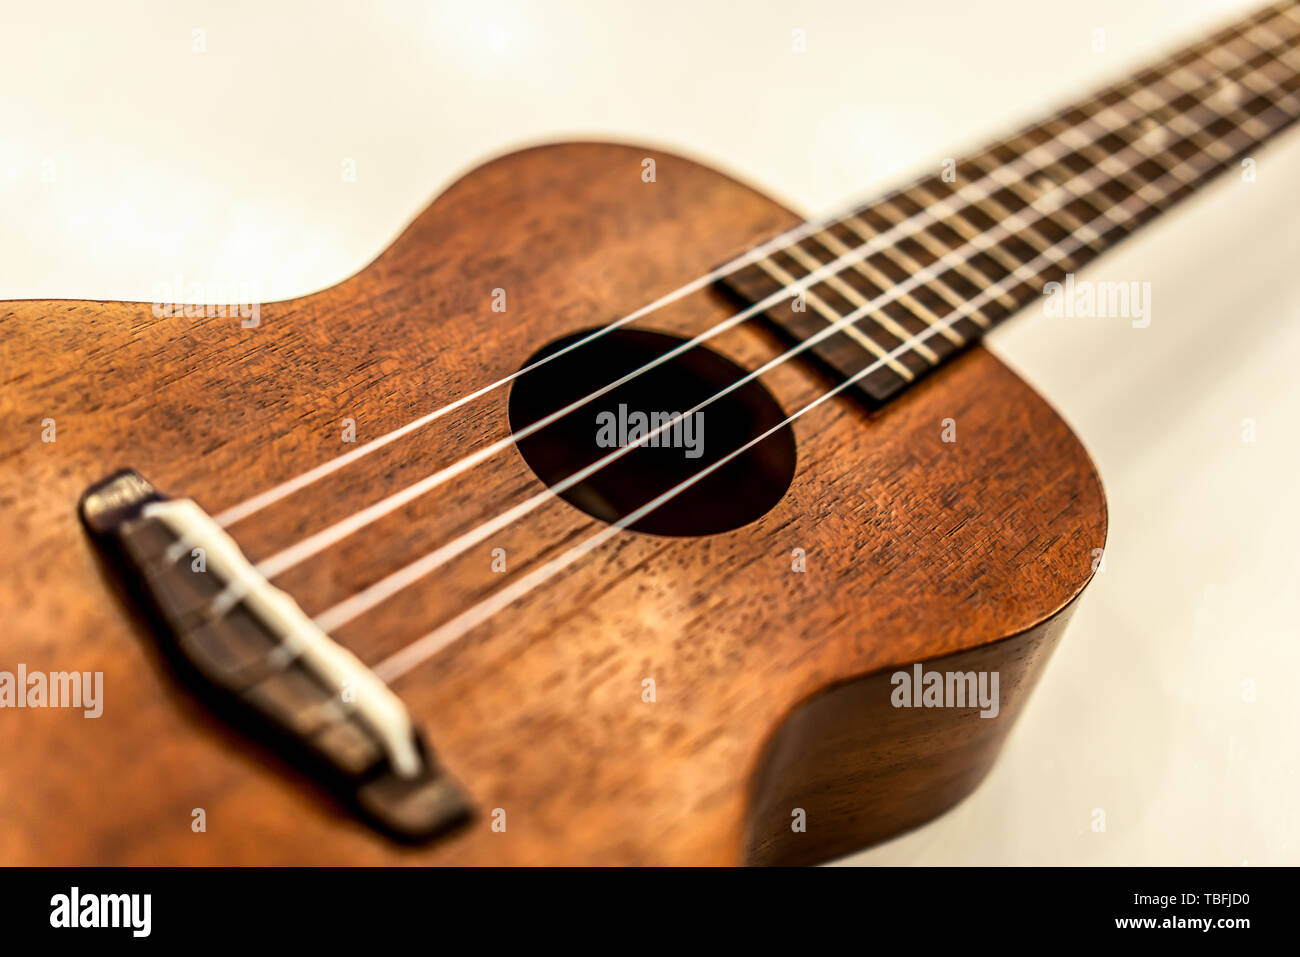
(916, 549)
(861, 770)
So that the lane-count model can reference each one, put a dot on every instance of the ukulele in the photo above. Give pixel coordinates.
(614, 515)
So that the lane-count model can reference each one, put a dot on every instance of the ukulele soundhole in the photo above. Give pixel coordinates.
(734, 494)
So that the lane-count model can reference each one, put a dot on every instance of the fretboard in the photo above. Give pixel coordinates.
(907, 281)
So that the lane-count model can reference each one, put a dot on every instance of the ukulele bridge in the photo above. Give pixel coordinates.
(261, 661)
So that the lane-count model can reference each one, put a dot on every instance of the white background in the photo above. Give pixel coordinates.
(128, 159)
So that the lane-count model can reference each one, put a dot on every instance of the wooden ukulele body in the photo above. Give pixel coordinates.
(771, 685)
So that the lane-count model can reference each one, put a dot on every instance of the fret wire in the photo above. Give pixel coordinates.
(1019, 225)
(909, 264)
(1225, 147)
(1034, 282)
(938, 285)
(1233, 135)
(1013, 216)
(1033, 156)
(1275, 48)
(827, 239)
(1036, 277)
(967, 231)
(865, 267)
(1030, 282)
(1025, 190)
(1151, 140)
(1052, 160)
(1196, 49)
(1192, 87)
(907, 300)
(964, 229)
(1129, 212)
(1284, 57)
(1286, 54)
(931, 244)
(1212, 49)
(1022, 234)
(1143, 144)
(944, 296)
(942, 208)
(832, 317)
(1198, 173)
(1249, 126)
(1156, 152)
(1137, 97)
(1179, 121)
(1106, 162)
(1257, 105)
(1187, 130)
(1274, 41)
(1014, 221)
(1258, 130)
(1229, 89)
(1289, 80)
(1124, 213)
(1016, 184)
(1059, 171)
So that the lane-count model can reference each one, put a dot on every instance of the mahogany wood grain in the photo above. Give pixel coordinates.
(768, 681)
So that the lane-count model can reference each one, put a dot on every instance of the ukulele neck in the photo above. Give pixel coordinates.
(895, 287)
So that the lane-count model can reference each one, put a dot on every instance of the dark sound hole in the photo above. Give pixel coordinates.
(736, 493)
